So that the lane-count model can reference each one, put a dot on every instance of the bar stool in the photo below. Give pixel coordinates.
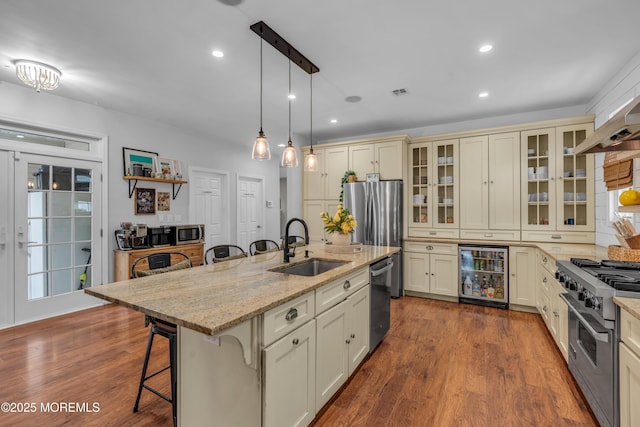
(156, 264)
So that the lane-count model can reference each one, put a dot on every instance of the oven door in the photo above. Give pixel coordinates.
(591, 360)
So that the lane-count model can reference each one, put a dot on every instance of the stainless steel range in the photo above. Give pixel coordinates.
(594, 327)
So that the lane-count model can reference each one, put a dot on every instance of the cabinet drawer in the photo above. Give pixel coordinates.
(546, 262)
(336, 291)
(285, 318)
(490, 234)
(441, 233)
(431, 247)
(630, 331)
(555, 236)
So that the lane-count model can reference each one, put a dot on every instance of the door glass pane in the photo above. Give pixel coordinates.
(83, 228)
(61, 255)
(60, 230)
(38, 286)
(82, 180)
(39, 175)
(79, 274)
(61, 179)
(62, 281)
(37, 231)
(38, 259)
(82, 205)
(37, 203)
(61, 204)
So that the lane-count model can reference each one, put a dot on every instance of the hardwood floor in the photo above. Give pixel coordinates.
(442, 364)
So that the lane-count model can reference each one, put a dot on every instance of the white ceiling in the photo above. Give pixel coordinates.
(152, 58)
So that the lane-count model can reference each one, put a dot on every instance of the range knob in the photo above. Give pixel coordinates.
(580, 293)
(573, 285)
(587, 300)
(595, 303)
(560, 276)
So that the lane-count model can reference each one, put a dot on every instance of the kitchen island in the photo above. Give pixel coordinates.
(247, 335)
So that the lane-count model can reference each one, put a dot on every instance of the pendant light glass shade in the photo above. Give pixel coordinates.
(261, 145)
(311, 160)
(289, 155)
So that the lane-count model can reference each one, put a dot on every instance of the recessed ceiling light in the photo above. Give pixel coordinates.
(485, 48)
(282, 145)
(217, 53)
(353, 98)
(483, 94)
(19, 136)
(334, 120)
(292, 96)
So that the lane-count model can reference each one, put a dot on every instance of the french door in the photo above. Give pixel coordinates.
(51, 233)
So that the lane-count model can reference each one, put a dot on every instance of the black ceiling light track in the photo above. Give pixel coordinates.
(283, 46)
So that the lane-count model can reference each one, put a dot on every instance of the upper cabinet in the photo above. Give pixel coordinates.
(557, 185)
(490, 186)
(384, 158)
(432, 189)
(325, 183)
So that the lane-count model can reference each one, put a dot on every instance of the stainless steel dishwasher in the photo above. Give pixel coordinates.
(380, 301)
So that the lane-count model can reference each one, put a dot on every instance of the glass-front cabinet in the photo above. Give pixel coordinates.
(433, 191)
(557, 185)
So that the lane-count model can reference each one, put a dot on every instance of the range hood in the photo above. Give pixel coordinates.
(620, 133)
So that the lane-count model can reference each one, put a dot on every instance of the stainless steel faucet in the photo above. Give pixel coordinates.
(288, 254)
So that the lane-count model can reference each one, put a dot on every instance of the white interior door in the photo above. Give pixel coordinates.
(250, 211)
(209, 204)
(56, 233)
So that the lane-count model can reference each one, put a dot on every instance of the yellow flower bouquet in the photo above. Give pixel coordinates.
(342, 222)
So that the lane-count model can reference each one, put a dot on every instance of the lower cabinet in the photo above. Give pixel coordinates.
(552, 308)
(629, 357)
(522, 282)
(289, 385)
(342, 335)
(431, 268)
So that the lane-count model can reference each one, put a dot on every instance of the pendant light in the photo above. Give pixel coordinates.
(311, 160)
(261, 145)
(289, 156)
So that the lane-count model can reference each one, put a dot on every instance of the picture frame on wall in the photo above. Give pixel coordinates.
(164, 201)
(164, 166)
(137, 162)
(145, 201)
(177, 169)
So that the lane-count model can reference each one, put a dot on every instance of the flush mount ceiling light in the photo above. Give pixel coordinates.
(289, 156)
(217, 53)
(37, 74)
(311, 160)
(483, 94)
(485, 48)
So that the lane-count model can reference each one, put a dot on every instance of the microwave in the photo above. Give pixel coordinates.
(187, 234)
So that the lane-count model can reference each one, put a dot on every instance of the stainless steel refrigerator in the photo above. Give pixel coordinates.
(377, 206)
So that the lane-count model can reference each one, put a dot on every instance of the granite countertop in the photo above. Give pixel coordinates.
(211, 298)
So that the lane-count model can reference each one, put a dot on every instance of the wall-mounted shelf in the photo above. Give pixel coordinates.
(173, 183)
(629, 209)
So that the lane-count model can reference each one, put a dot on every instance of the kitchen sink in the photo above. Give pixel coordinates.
(310, 267)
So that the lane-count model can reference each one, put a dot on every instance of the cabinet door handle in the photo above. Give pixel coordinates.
(346, 285)
(291, 314)
(353, 336)
(556, 236)
(348, 341)
(544, 308)
(544, 260)
(295, 341)
(544, 280)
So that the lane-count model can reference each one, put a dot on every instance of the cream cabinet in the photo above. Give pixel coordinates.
(325, 183)
(384, 158)
(432, 192)
(311, 212)
(290, 378)
(557, 185)
(342, 343)
(522, 270)
(629, 357)
(550, 305)
(489, 186)
(431, 268)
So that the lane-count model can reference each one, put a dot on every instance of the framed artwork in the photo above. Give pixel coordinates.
(134, 161)
(164, 201)
(164, 166)
(145, 201)
(177, 168)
